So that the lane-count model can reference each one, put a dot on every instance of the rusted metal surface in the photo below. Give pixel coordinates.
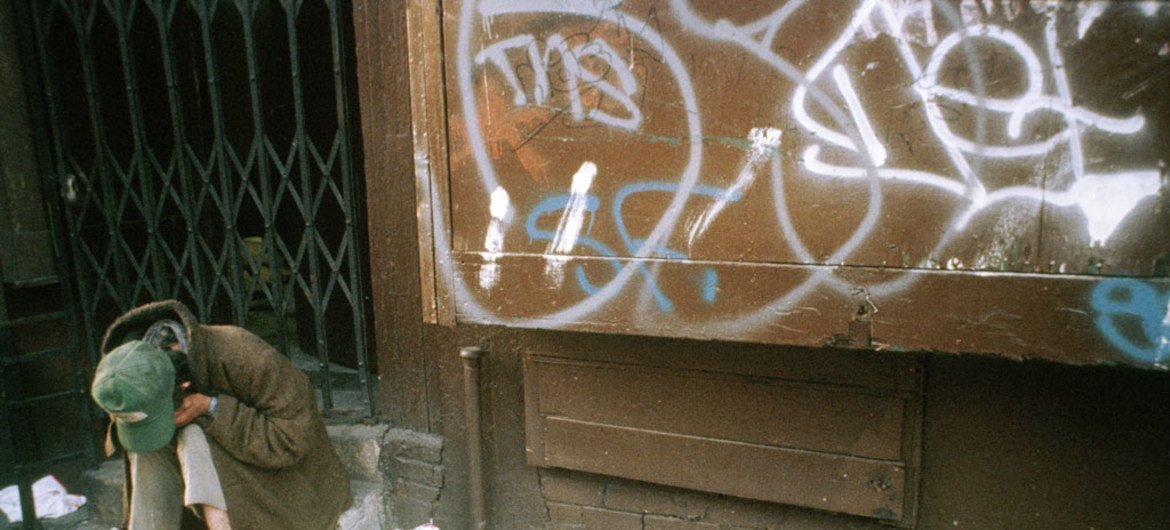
(722, 427)
(965, 177)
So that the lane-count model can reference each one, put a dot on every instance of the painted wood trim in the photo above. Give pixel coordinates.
(432, 173)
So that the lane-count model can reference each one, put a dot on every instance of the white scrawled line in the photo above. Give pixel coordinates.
(570, 225)
(765, 142)
(873, 146)
(493, 241)
(1087, 14)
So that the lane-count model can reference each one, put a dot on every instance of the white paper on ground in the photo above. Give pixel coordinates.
(49, 496)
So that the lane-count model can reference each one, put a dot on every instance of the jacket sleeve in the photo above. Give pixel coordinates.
(267, 410)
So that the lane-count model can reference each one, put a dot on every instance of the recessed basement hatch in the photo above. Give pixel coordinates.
(832, 430)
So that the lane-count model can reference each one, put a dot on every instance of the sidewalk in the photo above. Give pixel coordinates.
(359, 447)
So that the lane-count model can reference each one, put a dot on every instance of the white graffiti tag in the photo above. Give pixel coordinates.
(995, 140)
(574, 63)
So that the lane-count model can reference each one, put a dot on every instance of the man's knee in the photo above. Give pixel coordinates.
(199, 473)
(192, 433)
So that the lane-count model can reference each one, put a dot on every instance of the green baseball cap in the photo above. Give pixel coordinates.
(135, 383)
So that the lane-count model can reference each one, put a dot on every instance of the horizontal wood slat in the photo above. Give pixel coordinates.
(829, 482)
(840, 447)
(766, 412)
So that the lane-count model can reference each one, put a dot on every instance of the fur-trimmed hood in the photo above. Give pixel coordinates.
(133, 324)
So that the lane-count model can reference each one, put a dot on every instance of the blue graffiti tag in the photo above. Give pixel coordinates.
(709, 280)
(1117, 300)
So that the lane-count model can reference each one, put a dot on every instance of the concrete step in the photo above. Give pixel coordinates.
(104, 508)
(360, 450)
(359, 447)
(366, 511)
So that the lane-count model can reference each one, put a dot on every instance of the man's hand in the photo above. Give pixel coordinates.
(192, 406)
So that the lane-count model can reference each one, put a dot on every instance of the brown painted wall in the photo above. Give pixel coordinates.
(1004, 445)
(958, 178)
(1036, 445)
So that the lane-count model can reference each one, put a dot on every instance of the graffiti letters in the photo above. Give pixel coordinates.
(578, 204)
(1135, 318)
(977, 106)
(574, 63)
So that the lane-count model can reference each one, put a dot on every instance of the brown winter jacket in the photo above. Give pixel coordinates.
(275, 462)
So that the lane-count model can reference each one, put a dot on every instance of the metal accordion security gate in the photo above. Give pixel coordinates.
(208, 151)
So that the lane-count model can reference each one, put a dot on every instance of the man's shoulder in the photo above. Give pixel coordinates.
(239, 354)
(235, 341)
(217, 333)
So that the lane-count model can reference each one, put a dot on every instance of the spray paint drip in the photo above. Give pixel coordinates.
(570, 225)
(493, 241)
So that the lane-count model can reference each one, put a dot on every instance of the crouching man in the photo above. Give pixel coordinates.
(214, 419)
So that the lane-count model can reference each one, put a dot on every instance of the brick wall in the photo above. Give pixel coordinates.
(405, 466)
(412, 465)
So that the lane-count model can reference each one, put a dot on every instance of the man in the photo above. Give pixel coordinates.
(238, 438)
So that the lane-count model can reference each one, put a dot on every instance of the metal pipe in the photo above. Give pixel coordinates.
(471, 357)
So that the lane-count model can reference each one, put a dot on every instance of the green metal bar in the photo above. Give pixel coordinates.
(235, 283)
(102, 163)
(28, 506)
(276, 290)
(355, 268)
(123, 11)
(164, 17)
(8, 443)
(310, 237)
